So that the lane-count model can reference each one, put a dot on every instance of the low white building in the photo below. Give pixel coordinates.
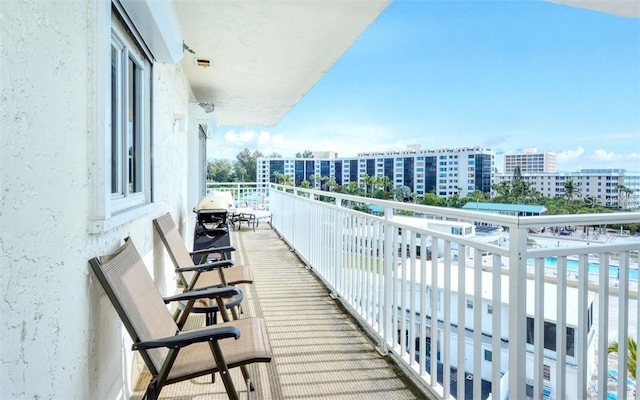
(488, 306)
(596, 186)
(530, 161)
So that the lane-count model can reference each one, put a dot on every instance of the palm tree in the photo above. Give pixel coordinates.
(331, 183)
(352, 188)
(386, 183)
(503, 189)
(287, 180)
(278, 176)
(315, 179)
(371, 183)
(570, 189)
(364, 181)
(631, 359)
(624, 196)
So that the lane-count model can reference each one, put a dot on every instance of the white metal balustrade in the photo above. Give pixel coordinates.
(441, 303)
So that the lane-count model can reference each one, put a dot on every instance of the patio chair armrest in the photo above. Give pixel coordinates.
(209, 293)
(187, 338)
(208, 266)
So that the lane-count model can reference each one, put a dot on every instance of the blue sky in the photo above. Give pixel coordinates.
(499, 74)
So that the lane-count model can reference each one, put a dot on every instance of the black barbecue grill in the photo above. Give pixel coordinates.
(212, 226)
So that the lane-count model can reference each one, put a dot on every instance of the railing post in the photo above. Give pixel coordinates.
(388, 291)
(517, 312)
(337, 248)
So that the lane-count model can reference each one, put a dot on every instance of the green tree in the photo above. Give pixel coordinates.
(352, 188)
(288, 180)
(624, 196)
(432, 199)
(239, 172)
(330, 183)
(315, 179)
(364, 182)
(520, 189)
(369, 183)
(219, 171)
(279, 176)
(386, 182)
(454, 201)
(570, 189)
(503, 189)
(517, 190)
(402, 193)
(245, 169)
(305, 184)
(274, 155)
(305, 154)
(631, 358)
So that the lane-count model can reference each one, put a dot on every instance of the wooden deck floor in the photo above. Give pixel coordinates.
(319, 352)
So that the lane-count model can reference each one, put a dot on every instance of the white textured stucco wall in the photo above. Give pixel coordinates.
(59, 336)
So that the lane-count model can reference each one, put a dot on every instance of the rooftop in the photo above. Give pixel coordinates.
(527, 208)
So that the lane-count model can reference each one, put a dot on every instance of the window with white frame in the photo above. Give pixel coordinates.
(129, 135)
(121, 146)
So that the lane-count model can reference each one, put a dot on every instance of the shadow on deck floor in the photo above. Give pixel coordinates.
(319, 352)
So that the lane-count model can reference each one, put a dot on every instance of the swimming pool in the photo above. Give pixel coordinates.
(572, 265)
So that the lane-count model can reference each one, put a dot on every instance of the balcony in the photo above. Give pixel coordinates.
(319, 351)
(378, 277)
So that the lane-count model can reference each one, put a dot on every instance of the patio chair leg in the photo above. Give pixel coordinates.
(151, 393)
(234, 312)
(224, 371)
(211, 318)
(247, 378)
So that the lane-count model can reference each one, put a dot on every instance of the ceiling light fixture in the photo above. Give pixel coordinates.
(208, 107)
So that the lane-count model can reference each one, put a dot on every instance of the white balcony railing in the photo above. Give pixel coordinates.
(521, 328)
(245, 194)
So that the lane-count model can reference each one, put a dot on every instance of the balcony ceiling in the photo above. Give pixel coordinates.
(623, 8)
(265, 55)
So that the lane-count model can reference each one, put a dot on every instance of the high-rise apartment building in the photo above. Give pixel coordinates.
(614, 188)
(444, 172)
(530, 162)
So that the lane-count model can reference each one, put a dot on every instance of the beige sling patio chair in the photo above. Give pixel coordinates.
(172, 355)
(189, 274)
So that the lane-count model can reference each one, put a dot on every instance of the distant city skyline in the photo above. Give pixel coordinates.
(501, 75)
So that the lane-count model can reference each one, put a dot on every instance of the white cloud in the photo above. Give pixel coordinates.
(603, 155)
(348, 139)
(634, 156)
(239, 138)
(567, 156)
(496, 141)
(345, 139)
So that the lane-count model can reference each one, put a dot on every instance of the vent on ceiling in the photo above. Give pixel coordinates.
(202, 62)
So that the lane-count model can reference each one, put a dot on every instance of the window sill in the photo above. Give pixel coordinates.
(97, 226)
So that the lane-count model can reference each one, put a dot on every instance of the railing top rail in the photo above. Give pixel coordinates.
(498, 219)
(581, 248)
